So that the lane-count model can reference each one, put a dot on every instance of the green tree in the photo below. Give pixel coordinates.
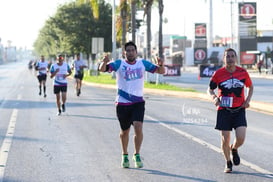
(147, 4)
(94, 5)
(70, 30)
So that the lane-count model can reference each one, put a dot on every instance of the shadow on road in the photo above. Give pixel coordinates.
(161, 173)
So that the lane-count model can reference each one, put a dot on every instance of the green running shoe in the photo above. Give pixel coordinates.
(138, 162)
(125, 161)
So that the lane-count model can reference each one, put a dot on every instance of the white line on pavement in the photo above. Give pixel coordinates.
(4, 152)
(5, 147)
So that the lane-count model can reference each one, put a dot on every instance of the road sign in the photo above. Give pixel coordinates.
(97, 45)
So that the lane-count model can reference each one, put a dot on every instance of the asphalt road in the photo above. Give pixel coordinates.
(82, 145)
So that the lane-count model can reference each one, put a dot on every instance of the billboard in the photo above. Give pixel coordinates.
(200, 55)
(200, 43)
(247, 29)
(200, 31)
(172, 70)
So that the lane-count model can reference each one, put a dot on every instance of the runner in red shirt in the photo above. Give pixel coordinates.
(231, 103)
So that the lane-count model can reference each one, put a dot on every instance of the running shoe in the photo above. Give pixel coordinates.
(63, 107)
(44, 95)
(228, 168)
(59, 112)
(138, 162)
(78, 92)
(235, 157)
(40, 93)
(125, 161)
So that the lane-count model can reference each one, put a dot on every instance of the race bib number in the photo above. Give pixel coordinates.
(60, 77)
(226, 101)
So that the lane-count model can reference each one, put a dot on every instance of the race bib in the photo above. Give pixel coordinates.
(60, 77)
(226, 101)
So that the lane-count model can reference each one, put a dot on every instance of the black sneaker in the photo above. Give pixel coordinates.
(44, 95)
(228, 168)
(59, 112)
(236, 158)
(63, 107)
(40, 93)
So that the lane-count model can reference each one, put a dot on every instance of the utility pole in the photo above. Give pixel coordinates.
(210, 42)
(232, 23)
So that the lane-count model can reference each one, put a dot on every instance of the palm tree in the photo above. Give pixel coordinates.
(133, 19)
(147, 12)
(123, 15)
(160, 34)
(94, 5)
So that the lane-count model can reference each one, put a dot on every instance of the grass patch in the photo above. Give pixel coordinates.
(106, 78)
(103, 78)
(165, 86)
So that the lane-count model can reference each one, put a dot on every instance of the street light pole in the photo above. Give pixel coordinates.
(231, 22)
(210, 42)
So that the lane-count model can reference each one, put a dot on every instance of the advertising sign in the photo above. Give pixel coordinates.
(207, 70)
(200, 31)
(247, 58)
(200, 55)
(172, 70)
(247, 26)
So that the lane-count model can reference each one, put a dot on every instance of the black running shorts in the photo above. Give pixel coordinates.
(227, 120)
(58, 89)
(78, 76)
(127, 114)
(42, 77)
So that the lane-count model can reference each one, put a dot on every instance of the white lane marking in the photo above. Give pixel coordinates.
(5, 148)
(4, 152)
(210, 146)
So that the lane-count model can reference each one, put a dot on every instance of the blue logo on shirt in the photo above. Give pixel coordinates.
(133, 74)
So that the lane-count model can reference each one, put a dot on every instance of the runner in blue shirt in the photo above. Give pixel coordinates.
(130, 105)
(60, 71)
(42, 68)
(78, 67)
